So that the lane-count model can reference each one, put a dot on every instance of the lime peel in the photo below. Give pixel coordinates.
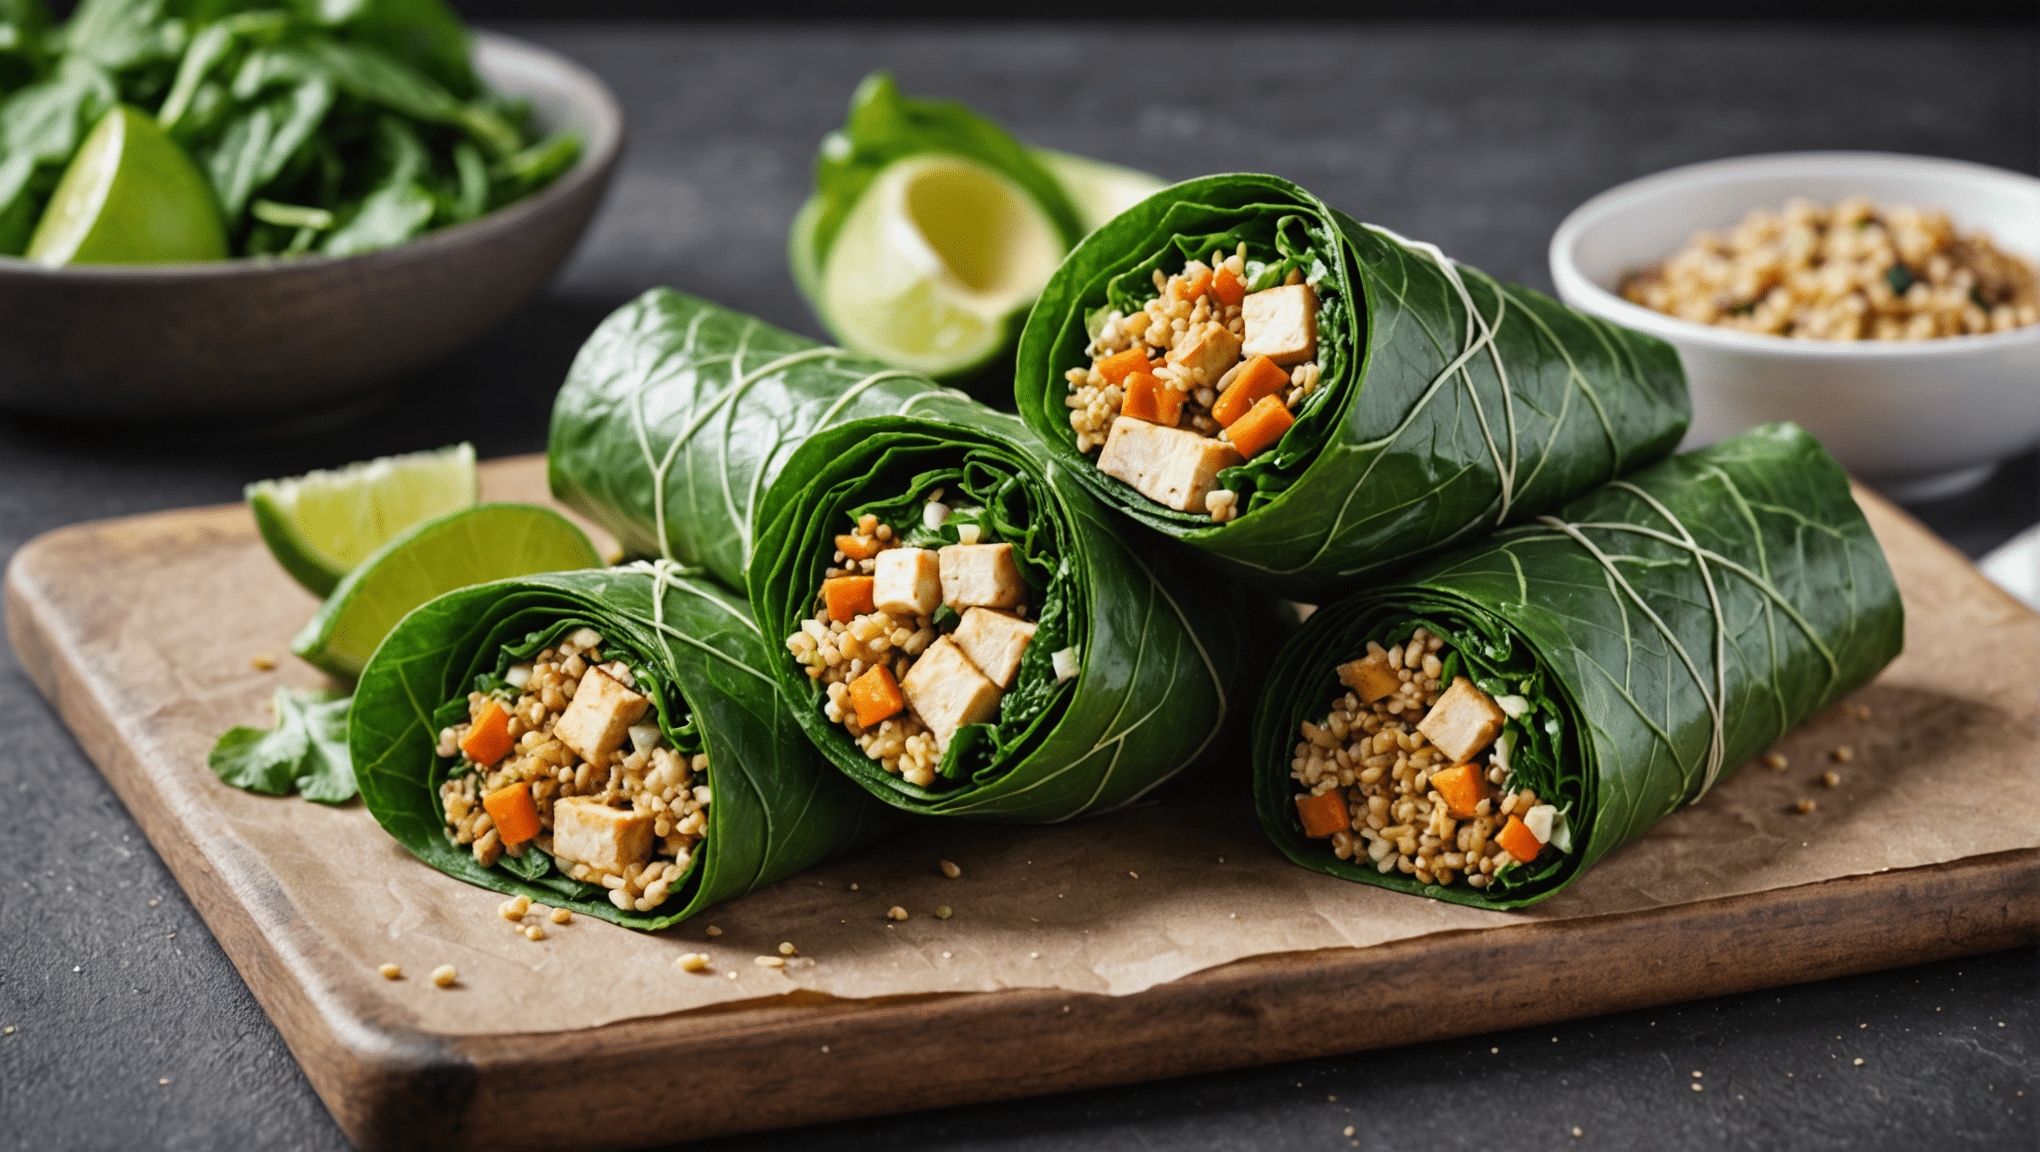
(321, 525)
(130, 196)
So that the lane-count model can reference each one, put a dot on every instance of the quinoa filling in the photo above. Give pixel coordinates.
(1411, 770)
(941, 633)
(569, 760)
(1205, 373)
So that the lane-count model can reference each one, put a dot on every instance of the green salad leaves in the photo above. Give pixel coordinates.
(305, 753)
(1449, 404)
(1657, 632)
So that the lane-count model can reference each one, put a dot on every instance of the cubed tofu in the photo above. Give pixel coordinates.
(1281, 324)
(599, 719)
(1370, 678)
(947, 691)
(1463, 721)
(907, 582)
(981, 576)
(1207, 353)
(587, 831)
(1174, 467)
(994, 641)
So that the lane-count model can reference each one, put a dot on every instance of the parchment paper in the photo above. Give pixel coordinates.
(1942, 768)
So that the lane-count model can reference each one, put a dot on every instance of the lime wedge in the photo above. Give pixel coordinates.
(1099, 190)
(471, 546)
(130, 196)
(937, 264)
(319, 526)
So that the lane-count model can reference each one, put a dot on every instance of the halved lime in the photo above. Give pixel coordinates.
(130, 196)
(936, 265)
(319, 526)
(1099, 190)
(471, 546)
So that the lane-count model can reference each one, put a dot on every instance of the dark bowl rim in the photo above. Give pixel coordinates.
(592, 167)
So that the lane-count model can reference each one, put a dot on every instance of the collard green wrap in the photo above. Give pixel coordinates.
(677, 413)
(1449, 403)
(777, 806)
(1164, 651)
(1665, 628)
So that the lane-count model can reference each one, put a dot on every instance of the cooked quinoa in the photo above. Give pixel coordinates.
(1852, 271)
(640, 812)
(1372, 754)
(913, 644)
(1221, 351)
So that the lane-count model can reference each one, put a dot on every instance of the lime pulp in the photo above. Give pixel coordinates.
(323, 524)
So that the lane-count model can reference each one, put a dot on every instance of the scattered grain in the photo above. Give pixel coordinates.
(788, 950)
(769, 961)
(262, 661)
(1831, 779)
(445, 975)
(692, 962)
(389, 972)
(944, 912)
(1777, 761)
(1804, 807)
(1842, 755)
(896, 913)
(949, 869)
(561, 916)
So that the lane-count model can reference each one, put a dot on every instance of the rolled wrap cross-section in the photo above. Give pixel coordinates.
(678, 412)
(1411, 403)
(743, 797)
(1134, 659)
(1630, 649)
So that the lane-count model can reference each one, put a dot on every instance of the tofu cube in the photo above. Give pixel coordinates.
(599, 719)
(981, 576)
(1463, 721)
(1370, 678)
(1208, 352)
(1281, 324)
(587, 831)
(994, 641)
(1174, 467)
(947, 691)
(907, 582)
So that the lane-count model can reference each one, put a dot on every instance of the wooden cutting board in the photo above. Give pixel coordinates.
(86, 613)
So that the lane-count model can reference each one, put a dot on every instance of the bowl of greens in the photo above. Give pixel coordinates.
(241, 209)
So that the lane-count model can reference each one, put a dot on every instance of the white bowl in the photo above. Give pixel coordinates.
(1919, 418)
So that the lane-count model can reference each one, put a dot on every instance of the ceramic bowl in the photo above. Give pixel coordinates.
(242, 340)
(1919, 418)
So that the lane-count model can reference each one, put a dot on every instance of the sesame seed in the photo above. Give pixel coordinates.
(1576, 1132)
(1859, 1061)
(950, 869)
(162, 1082)
(391, 972)
(692, 962)
(1696, 1087)
(445, 975)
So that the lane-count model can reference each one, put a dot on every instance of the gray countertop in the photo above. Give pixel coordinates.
(1477, 137)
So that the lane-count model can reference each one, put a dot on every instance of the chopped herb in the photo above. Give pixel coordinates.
(1899, 277)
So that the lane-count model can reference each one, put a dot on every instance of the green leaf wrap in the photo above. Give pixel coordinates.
(1166, 651)
(777, 807)
(1669, 626)
(1421, 435)
(677, 413)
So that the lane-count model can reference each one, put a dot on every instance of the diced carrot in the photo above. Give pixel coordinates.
(1140, 397)
(1261, 427)
(1261, 377)
(848, 597)
(1324, 813)
(1169, 405)
(515, 815)
(1114, 368)
(1460, 786)
(1197, 285)
(1229, 288)
(489, 739)
(1517, 840)
(857, 547)
(876, 695)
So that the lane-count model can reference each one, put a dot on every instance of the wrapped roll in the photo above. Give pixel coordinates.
(678, 412)
(1307, 400)
(968, 633)
(1485, 729)
(608, 741)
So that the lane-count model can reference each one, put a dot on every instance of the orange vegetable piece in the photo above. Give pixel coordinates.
(515, 815)
(1261, 377)
(1261, 427)
(1169, 404)
(1116, 367)
(1229, 288)
(489, 739)
(1517, 840)
(1460, 786)
(1147, 398)
(857, 547)
(848, 597)
(1196, 285)
(1324, 813)
(876, 695)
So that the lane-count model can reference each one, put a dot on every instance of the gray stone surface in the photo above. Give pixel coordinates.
(1477, 137)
